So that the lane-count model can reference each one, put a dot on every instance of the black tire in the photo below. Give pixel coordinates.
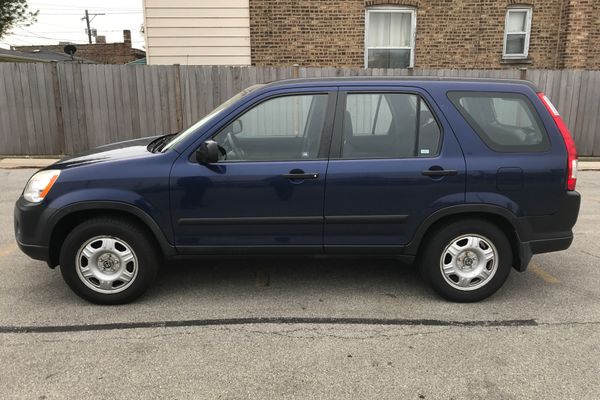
(435, 246)
(137, 238)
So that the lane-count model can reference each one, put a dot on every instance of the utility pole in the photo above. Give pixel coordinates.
(87, 21)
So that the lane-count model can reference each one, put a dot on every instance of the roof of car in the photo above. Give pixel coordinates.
(414, 79)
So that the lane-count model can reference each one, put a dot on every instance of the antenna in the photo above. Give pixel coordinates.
(70, 50)
(187, 86)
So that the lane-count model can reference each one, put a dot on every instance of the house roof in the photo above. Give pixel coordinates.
(139, 61)
(41, 55)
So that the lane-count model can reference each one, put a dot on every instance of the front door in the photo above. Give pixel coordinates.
(394, 162)
(266, 193)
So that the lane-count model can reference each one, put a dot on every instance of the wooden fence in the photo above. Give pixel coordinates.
(51, 109)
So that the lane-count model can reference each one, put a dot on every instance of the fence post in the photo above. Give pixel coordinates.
(178, 99)
(60, 124)
(296, 71)
(523, 73)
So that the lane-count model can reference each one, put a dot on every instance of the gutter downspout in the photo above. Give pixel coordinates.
(556, 57)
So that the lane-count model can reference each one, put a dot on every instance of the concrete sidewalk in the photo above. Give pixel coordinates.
(588, 166)
(18, 163)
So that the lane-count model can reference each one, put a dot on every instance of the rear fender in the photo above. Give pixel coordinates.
(510, 224)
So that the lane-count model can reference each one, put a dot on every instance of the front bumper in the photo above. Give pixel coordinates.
(36, 252)
(29, 225)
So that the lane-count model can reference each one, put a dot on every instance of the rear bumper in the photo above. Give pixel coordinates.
(548, 233)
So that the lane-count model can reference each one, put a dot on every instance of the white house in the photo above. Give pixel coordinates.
(204, 32)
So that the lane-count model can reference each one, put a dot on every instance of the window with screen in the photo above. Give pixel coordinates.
(390, 41)
(517, 32)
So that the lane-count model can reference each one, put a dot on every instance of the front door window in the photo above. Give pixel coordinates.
(284, 128)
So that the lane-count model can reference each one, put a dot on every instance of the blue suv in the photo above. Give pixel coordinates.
(468, 178)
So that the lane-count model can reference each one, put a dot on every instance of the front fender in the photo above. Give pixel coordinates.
(103, 200)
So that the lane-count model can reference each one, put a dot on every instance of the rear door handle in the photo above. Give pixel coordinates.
(301, 175)
(439, 172)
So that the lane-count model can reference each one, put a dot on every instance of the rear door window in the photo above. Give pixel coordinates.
(506, 122)
(388, 125)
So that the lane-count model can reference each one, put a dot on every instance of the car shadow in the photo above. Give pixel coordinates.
(289, 276)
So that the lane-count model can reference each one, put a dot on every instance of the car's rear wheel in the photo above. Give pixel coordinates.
(466, 261)
(108, 261)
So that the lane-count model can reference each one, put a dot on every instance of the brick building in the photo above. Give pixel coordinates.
(100, 52)
(488, 34)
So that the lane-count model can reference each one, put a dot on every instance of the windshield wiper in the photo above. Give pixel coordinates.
(159, 143)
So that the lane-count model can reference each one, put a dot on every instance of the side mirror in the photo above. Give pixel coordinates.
(237, 126)
(208, 152)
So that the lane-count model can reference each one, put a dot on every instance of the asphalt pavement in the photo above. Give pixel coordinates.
(303, 328)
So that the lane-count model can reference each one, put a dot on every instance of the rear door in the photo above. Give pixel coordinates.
(394, 161)
(512, 161)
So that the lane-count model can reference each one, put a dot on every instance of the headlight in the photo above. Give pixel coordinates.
(39, 185)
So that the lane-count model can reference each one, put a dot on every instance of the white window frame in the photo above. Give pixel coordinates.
(526, 32)
(413, 27)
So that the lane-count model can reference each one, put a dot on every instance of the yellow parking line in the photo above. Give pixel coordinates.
(7, 249)
(546, 276)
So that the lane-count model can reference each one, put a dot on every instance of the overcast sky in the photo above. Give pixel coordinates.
(60, 21)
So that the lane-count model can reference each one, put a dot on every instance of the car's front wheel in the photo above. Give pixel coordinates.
(466, 261)
(108, 261)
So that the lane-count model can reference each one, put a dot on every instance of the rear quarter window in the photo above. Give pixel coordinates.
(506, 122)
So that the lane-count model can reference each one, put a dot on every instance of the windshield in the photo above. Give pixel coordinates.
(184, 134)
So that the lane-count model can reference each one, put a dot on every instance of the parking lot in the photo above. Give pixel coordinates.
(304, 328)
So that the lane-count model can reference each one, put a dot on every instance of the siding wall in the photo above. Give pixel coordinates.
(201, 32)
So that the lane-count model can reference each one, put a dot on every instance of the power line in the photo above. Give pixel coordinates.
(76, 29)
(18, 37)
(58, 25)
(35, 35)
(89, 8)
(79, 31)
(27, 42)
(78, 41)
(80, 6)
(42, 12)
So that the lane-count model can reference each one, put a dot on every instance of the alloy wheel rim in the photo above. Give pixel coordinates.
(469, 262)
(106, 264)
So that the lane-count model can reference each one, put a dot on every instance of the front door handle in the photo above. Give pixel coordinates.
(439, 171)
(301, 175)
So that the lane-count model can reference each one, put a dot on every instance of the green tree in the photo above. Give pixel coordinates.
(13, 13)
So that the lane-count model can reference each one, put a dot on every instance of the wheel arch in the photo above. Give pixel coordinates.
(69, 217)
(501, 217)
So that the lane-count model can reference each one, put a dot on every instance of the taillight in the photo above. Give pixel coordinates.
(568, 139)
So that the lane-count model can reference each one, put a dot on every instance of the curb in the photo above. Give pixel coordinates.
(23, 163)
